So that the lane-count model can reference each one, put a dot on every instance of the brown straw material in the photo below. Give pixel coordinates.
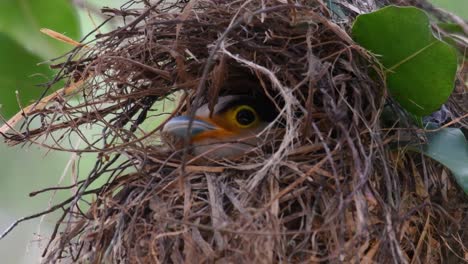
(328, 185)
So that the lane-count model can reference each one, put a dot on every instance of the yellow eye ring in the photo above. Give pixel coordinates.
(244, 116)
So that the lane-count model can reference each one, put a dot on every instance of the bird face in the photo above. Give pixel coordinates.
(231, 130)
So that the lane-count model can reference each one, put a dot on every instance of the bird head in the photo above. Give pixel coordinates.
(230, 130)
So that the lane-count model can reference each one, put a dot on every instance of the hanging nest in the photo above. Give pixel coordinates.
(329, 183)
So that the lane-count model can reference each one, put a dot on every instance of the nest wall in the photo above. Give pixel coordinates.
(326, 185)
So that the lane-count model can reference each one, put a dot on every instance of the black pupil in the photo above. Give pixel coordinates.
(245, 117)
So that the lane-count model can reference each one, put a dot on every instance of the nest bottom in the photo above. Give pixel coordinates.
(209, 216)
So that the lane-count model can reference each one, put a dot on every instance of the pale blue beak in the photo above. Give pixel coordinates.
(178, 126)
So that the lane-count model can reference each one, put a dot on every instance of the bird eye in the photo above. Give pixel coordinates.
(245, 116)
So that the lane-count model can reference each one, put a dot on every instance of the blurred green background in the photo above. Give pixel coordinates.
(24, 169)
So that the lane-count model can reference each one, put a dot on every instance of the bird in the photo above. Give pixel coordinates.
(231, 130)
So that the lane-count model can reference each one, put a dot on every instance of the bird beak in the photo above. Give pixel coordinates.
(179, 126)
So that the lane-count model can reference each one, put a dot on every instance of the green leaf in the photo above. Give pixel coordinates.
(19, 72)
(451, 28)
(449, 147)
(420, 69)
(22, 20)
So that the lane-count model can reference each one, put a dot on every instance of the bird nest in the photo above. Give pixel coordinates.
(327, 183)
